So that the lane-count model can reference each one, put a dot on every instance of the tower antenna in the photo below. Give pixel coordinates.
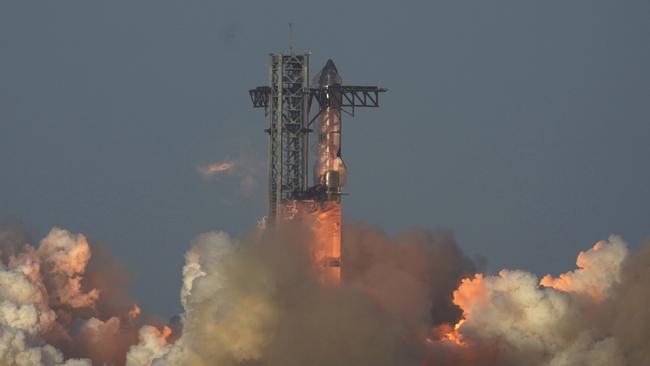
(291, 38)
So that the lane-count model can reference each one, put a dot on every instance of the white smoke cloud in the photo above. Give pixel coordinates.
(598, 269)
(24, 310)
(22, 303)
(17, 287)
(64, 258)
(49, 311)
(18, 348)
(153, 345)
(258, 301)
(513, 318)
(528, 324)
(216, 311)
(95, 331)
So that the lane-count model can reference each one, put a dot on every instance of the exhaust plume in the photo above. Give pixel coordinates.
(412, 299)
(259, 300)
(409, 300)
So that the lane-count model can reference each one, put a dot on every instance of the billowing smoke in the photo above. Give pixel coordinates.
(25, 312)
(50, 308)
(258, 301)
(594, 315)
(410, 299)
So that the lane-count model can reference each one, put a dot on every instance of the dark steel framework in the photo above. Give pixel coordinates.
(287, 111)
(351, 96)
(287, 102)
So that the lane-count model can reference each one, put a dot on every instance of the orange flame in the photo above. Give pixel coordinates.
(324, 220)
(454, 335)
(166, 332)
(134, 312)
(470, 291)
(447, 333)
(326, 249)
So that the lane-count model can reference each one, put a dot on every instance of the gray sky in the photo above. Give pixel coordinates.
(523, 126)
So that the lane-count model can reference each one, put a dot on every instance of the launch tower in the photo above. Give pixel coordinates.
(288, 99)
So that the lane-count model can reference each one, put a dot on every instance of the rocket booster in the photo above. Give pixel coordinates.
(329, 170)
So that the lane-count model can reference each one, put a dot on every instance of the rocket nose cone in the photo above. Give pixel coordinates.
(329, 75)
(330, 66)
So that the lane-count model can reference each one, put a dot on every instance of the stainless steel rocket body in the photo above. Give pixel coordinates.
(330, 171)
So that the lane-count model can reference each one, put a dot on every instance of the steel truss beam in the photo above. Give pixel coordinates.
(351, 96)
(287, 113)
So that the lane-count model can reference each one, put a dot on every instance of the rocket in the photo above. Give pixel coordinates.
(287, 101)
(329, 169)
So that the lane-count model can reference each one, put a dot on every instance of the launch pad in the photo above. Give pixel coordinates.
(287, 101)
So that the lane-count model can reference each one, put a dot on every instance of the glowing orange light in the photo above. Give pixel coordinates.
(166, 332)
(327, 244)
(470, 291)
(455, 336)
(324, 221)
(134, 312)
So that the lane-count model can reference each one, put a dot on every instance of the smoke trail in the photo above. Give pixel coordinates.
(247, 168)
